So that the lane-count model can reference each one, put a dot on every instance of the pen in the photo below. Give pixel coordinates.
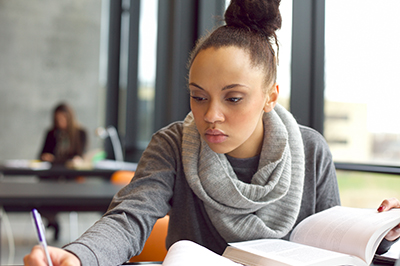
(37, 220)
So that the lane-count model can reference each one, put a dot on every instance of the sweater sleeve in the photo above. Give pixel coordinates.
(123, 230)
(327, 185)
(320, 172)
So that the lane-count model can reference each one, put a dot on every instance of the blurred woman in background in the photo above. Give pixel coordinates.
(66, 140)
(65, 143)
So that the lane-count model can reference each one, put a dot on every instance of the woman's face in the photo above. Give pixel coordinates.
(228, 100)
(61, 120)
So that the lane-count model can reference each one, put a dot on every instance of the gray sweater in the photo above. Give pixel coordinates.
(159, 187)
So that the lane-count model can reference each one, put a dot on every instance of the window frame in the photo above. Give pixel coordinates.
(308, 75)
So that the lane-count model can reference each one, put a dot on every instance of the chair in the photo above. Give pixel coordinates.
(154, 249)
(122, 177)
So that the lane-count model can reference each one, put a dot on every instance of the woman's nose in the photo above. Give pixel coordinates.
(214, 114)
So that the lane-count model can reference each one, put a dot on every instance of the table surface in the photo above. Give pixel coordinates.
(54, 196)
(57, 196)
(56, 171)
(103, 169)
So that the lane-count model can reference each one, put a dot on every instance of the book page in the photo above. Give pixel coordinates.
(347, 230)
(278, 252)
(185, 252)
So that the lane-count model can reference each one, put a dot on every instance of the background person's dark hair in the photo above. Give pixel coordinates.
(250, 25)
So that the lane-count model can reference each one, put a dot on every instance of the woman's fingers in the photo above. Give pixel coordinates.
(393, 234)
(59, 257)
(36, 257)
(388, 204)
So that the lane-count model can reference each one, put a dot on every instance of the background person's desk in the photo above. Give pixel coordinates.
(56, 171)
(103, 169)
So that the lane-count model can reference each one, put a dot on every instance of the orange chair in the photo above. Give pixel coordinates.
(154, 249)
(122, 177)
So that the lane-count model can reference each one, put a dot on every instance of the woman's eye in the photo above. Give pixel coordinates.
(234, 99)
(198, 99)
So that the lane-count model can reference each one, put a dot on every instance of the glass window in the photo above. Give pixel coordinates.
(366, 190)
(285, 53)
(147, 69)
(147, 41)
(362, 66)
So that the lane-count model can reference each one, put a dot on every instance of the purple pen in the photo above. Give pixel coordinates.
(37, 220)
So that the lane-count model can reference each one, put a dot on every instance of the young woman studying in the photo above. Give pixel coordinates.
(238, 167)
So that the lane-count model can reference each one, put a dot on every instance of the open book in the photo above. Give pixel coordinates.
(336, 236)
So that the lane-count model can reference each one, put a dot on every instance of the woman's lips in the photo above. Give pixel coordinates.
(215, 136)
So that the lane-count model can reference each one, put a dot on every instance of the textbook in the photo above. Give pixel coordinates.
(336, 236)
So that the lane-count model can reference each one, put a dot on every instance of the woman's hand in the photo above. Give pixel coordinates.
(47, 157)
(58, 256)
(386, 205)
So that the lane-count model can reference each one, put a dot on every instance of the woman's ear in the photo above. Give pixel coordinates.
(272, 98)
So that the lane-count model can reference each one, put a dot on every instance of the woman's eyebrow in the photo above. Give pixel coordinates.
(195, 85)
(231, 86)
(227, 87)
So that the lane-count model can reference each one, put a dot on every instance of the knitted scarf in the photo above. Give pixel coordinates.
(266, 208)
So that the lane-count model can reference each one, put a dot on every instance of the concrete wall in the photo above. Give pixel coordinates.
(49, 52)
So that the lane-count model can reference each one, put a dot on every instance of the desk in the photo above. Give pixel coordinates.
(103, 169)
(57, 196)
(56, 171)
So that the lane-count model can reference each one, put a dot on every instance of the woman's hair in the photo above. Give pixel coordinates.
(250, 25)
(69, 114)
(72, 125)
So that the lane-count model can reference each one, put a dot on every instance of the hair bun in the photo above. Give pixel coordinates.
(258, 15)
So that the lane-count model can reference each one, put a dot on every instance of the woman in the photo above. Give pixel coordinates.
(66, 140)
(238, 167)
(65, 143)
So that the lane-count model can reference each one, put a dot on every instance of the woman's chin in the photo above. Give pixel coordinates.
(218, 148)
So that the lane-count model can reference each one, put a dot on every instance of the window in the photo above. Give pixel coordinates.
(366, 190)
(285, 47)
(362, 65)
(361, 68)
(147, 70)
